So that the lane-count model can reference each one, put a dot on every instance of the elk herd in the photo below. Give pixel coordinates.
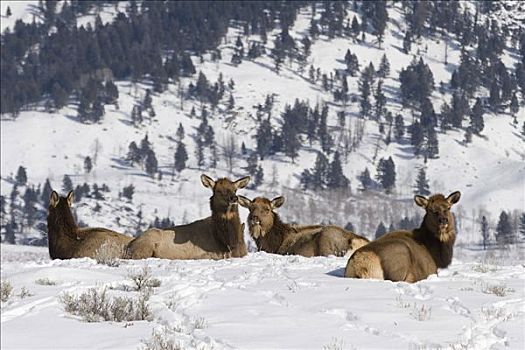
(407, 256)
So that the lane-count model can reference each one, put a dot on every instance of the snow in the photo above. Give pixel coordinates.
(267, 301)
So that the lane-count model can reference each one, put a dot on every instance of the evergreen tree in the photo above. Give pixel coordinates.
(181, 156)
(364, 88)
(381, 230)
(422, 187)
(521, 226)
(476, 117)
(504, 234)
(349, 226)
(416, 137)
(180, 133)
(199, 152)
(324, 136)
(21, 176)
(254, 170)
(111, 92)
(380, 101)
(485, 234)
(494, 95)
(151, 163)
(366, 180)
(336, 179)
(386, 174)
(399, 128)
(384, 67)
(67, 184)
(514, 105)
(8, 12)
(264, 139)
(356, 28)
(128, 192)
(46, 192)
(319, 172)
(88, 164)
(407, 42)
(134, 155)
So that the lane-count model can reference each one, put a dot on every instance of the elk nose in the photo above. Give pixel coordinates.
(255, 219)
(233, 199)
(443, 221)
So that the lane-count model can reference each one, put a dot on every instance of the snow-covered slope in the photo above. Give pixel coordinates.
(490, 171)
(265, 301)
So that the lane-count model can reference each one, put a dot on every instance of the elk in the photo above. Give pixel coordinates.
(410, 256)
(273, 236)
(218, 236)
(66, 240)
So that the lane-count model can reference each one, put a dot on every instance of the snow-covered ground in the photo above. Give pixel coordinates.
(265, 301)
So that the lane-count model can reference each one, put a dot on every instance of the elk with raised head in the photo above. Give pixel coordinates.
(273, 236)
(218, 236)
(66, 240)
(410, 256)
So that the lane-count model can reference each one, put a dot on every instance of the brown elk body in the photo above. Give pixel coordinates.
(66, 240)
(273, 236)
(410, 256)
(216, 237)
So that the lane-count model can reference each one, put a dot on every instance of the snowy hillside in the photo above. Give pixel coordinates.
(266, 301)
(490, 171)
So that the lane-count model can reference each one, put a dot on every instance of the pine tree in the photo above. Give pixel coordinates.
(476, 117)
(8, 12)
(422, 187)
(366, 180)
(181, 156)
(264, 139)
(364, 88)
(504, 234)
(381, 230)
(386, 174)
(494, 95)
(407, 42)
(399, 128)
(380, 101)
(356, 28)
(254, 170)
(21, 176)
(336, 179)
(151, 164)
(320, 172)
(384, 67)
(199, 152)
(416, 137)
(349, 227)
(88, 164)
(514, 105)
(323, 135)
(67, 184)
(128, 192)
(431, 144)
(46, 192)
(180, 133)
(134, 155)
(485, 231)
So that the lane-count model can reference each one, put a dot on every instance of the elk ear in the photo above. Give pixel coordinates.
(277, 202)
(421, 201)
(70, 198)
(53, 199)
(242, 183)
(207, 181)
(244, 202)
(454, 197)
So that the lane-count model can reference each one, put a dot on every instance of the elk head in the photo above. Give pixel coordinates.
(261, 217)
(224, 192)
(60, 209)
(438, 218)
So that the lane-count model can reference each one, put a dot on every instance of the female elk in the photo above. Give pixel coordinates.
(410, 256)
(66, 240)
(273, 236)
(216, 237)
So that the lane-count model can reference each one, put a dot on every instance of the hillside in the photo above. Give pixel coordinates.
(489, 171)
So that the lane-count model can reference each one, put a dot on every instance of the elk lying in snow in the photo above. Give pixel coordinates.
(273, 236)
(216, 237)
(66, 240)
(410, 256)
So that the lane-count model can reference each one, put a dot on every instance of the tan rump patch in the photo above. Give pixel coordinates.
(364, 264)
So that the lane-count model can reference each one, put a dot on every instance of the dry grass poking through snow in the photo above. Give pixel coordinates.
(45, 281)
(143, 279)
(94, 305)
(105, 254)
(6, 290)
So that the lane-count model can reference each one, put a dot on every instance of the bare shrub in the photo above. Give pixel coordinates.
(6, 290)
(421, 313)
(45, 281)
(162, 340)
(500, 290)
(200, 323)
(143, 279)
(95, 305)
(335, 344)
(24, 293)
(109, 254)
(401, 303)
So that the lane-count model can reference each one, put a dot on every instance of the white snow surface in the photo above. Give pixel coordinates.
(265, 301)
